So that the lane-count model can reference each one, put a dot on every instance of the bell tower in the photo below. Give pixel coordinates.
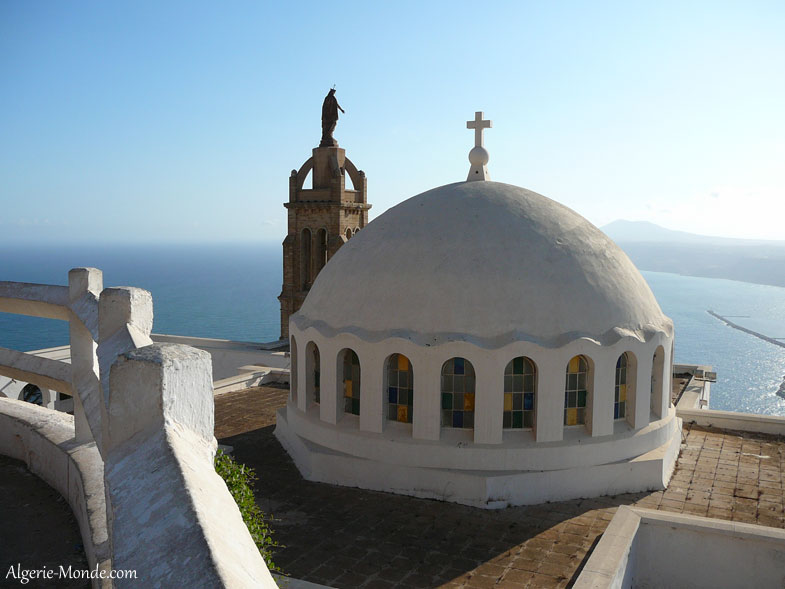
(321, 219)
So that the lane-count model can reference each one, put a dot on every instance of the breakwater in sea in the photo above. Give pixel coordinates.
(780, 391)
(730, 323)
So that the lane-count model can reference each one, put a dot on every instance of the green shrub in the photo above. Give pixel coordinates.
(239, 479)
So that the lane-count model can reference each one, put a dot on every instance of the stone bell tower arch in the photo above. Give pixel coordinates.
(320, 220)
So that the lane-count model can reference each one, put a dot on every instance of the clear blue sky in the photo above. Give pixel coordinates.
(150, 121)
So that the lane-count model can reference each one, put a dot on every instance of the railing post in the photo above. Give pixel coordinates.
(125, 321)
(84, 288)
(172, 517)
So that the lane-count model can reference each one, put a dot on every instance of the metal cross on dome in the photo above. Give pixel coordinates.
(479, 125)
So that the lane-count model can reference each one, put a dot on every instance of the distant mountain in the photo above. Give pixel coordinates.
(652, 247)
(637, 231)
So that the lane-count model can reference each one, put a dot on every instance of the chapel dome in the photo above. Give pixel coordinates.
(484, 262)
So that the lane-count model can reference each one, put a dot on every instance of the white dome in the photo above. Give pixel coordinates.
(483, 262)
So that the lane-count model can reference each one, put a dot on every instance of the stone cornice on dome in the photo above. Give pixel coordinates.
(609, 338)
(486, 263)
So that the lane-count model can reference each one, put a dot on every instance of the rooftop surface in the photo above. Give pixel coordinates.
(347, 538)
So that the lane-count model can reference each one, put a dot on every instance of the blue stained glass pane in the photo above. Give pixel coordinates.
(457, 418)
(528, 401)
(616, 411)
(459, 367)
(393, 395)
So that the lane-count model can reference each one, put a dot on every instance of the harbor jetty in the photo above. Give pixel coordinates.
(730, 323)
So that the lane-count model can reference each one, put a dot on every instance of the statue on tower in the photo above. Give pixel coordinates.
(330, 108)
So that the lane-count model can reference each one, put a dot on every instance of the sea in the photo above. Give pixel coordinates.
(229, 291)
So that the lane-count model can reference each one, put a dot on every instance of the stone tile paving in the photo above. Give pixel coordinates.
(350, 538)
(247, 410)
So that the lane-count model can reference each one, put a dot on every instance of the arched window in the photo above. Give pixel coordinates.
(321, 250)
(312, 372)
(458, 393)
(293, 369)
(349, 371)
(575, 391)
(620, 388)
(305, 258)
(657, 381)
(400, 388)
(348, 233)
(519, 393)
(32, 394)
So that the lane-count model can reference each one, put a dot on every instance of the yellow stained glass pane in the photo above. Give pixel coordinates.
(403, 413)
(347, 387)
(508, 401)
(468, 402)
(572, 416)
(622, 392)
(403, 362)
(575, 364)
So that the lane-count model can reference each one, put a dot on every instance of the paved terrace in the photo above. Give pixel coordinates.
(37, 528)
(351, 538)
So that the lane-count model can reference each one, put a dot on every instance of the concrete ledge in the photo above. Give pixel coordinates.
(609, 564)
(732, 420)
(480, 488)
(455, 450)
(256, 376)
(657, 549)
(229, 357)
(44, 440)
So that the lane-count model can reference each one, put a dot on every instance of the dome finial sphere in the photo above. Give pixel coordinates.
(478, 156)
